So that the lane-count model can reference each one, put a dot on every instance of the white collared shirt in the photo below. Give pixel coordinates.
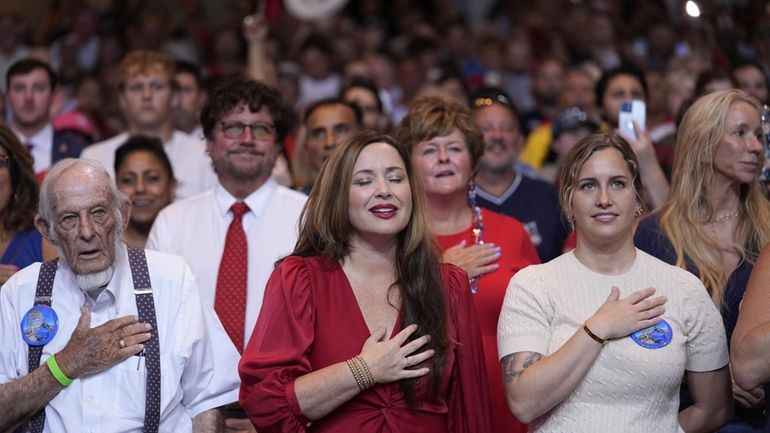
(192, 166)
(42, 146)
(197, 133)
(196, 228)
(199, 364)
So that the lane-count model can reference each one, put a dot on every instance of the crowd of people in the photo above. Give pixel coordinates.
(400, 216)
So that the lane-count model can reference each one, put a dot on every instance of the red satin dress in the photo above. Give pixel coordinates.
(310, 319)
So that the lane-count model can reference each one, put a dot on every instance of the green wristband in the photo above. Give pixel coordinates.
(59, 375)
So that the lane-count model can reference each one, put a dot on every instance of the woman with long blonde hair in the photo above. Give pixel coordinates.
(716, 219)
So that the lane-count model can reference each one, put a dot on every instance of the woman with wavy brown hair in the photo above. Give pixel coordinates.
(20, 243)
(361, 328)
(716, 219)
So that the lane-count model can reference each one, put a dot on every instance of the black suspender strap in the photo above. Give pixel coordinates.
(145, 306)
(42, 297)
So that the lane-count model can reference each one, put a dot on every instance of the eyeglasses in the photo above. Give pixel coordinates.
(486, 101)
(260, 131)
(5, 161)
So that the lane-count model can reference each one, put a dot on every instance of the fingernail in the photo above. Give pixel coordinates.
(147, 326)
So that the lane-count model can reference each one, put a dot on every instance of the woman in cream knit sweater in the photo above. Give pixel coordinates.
(599, 339)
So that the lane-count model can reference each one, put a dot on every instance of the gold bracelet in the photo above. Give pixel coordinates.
(361, 373)
(367, 374)
(595, 337)
(356, 374)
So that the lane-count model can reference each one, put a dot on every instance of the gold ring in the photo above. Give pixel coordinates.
(122, 343)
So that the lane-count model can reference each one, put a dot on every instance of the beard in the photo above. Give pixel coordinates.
(258, 170)
(93, 284)
(503, 165)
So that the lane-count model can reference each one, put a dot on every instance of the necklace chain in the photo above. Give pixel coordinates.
(726, 217)
(477, 229)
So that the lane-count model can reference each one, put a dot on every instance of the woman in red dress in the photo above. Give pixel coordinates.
(445, 147)
(361, 328)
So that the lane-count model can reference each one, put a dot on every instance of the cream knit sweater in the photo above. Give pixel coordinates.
(629, 388)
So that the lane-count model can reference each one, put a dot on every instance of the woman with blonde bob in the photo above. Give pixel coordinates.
(599, 339)
(716, 219)
(361, 328)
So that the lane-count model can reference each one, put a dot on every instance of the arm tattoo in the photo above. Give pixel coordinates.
(511, 367)
(509, 372)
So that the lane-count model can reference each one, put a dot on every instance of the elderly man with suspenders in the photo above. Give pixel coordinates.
(108, 338)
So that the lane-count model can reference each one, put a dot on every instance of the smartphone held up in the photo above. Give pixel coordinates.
(630, 112)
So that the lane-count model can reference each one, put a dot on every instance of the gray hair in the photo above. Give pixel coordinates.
(47, 202)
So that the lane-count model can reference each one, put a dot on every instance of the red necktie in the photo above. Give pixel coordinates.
(230, 298)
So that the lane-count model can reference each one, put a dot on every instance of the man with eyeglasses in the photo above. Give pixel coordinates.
(232, 234)
(147, 94)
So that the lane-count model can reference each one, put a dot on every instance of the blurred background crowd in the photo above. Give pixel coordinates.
(498, 91)
(548, 55)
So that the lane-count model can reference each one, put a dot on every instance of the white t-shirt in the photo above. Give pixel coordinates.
(199, 363)
(311, 90)
(196, 228)
(192, 166)
(629, 388)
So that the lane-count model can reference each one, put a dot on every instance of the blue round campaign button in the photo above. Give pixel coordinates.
(655, 336)
(39, 325)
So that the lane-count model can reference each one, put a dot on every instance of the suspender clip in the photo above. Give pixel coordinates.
(43, 299)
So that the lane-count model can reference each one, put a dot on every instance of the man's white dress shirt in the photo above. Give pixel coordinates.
(192, 166)
(42, 146)
(196, 228)
(199, 364)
